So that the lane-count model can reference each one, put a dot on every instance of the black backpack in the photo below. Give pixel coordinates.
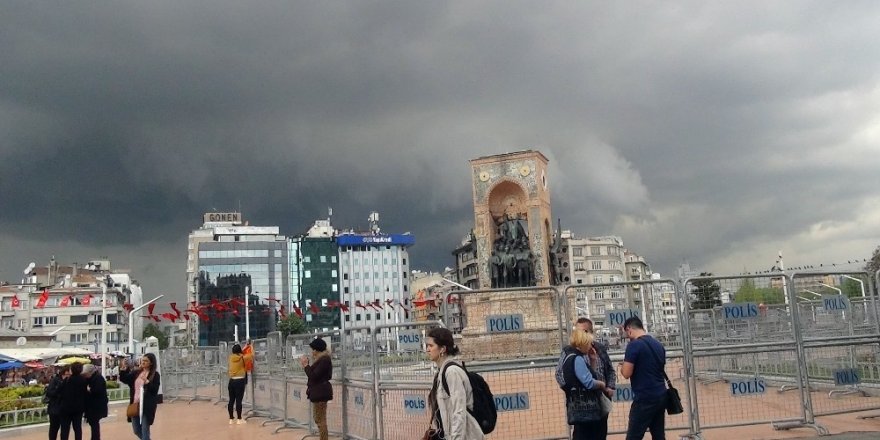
(484, 411)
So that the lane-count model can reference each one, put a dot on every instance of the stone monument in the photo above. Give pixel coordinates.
(512, 221)
(513, 238)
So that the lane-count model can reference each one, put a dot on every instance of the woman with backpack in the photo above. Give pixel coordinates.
(237, 381)
(582, 390)
(450, 419)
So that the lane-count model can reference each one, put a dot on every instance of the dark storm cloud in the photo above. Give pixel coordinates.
(695, 131)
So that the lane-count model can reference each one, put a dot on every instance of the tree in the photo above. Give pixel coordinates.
(874, 264)
(291, 325)
(852, 289)
(152, 329)
(762, 295)
(706, 293)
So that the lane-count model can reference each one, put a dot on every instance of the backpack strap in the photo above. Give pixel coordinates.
(657, 358)
(443, 375)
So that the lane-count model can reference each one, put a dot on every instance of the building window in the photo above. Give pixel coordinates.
(307, 274)
(595, 250)
(346, 290)
(51, 320)
(333, 273)
(38, 321)
(615, 294)
(597, 279)
(323, 258)
(612, 250)
(578, 265)
(79, 319)
(334, 287)
(577, 251)
(614, 264)
(596, 264)
(79, 337)
(333, 258)
(598, 294)
(307, 259)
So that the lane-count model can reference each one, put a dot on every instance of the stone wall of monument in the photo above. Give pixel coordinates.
(538, 333)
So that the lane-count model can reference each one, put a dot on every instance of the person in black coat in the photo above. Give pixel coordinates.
(52, 398)
(318, 389)
(96, 400)
(144, 384)
(73, 402)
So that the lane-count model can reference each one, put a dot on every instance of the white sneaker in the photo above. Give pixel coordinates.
(231, 421)
(242, 421)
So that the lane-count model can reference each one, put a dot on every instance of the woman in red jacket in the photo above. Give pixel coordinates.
(319, 390)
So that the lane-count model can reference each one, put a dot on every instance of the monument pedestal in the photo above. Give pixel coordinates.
(510, 324)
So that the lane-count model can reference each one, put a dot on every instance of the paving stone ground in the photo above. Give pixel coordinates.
(204, 420)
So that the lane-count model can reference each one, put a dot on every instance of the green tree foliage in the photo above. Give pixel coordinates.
(152, 329)
(851, 288)
(874, 263)
(747, 292)
(291, 325)
(706, 293)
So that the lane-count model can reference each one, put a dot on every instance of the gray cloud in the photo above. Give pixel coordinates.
(716, 133)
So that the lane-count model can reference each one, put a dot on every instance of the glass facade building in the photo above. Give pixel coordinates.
(319, 281)
(244, 257)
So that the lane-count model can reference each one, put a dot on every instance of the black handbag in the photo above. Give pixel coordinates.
(582, 406)
(673, 400)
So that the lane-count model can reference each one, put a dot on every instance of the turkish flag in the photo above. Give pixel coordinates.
(170, 316)
(65, 301)
(16, 303)
(314, 308)
(282, 312)
(298, 311)
(87, 300)
(150, 308)
(43, 298)
(174, 307)
(343, 307)
(127, 307)
(358, 304)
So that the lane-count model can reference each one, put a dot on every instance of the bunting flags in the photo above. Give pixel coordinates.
(43, 298)
(127, 307)
(282, 312)
(314, 308)
(298, 311)
(174, 307)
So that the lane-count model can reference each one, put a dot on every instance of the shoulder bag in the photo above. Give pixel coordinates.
(673, 400)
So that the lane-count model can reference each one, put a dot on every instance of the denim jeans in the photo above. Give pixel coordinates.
(647, 415)
(142, 431)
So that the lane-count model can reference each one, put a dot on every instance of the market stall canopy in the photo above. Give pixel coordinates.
(74, 360)
(34, 364)
(38, 354)
(10, 365)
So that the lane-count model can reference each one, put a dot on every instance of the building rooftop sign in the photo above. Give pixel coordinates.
(223, 217)
(375, 240)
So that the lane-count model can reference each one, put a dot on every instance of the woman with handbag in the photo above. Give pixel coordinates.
(144, 395)
(583, 392)
(450, 419)
(237, 381)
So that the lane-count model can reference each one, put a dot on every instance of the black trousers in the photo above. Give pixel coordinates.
(647, 415)
(71, 420)
(54, 426)
(236, 389)
(95, 425)
(591, 431)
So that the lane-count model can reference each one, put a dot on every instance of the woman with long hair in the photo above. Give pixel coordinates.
(237, 381)
(319, 390)
(449, 410)
(144, 385)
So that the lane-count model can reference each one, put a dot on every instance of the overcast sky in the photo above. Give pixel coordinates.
(717, 133)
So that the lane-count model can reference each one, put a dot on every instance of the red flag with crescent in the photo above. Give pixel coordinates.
(43, 298)
(314, 308)
(87, 299)
(16, 303)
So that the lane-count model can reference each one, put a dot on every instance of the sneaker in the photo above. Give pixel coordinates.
(230, 421)
(242, 421)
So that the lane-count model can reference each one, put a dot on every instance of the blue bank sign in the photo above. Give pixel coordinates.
(504, 323)
(376, 240)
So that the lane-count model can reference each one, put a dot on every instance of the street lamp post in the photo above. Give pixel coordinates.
(864, 299)
(131, 324)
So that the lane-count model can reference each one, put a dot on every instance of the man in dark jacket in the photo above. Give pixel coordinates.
(318, 389)
(52, 398)
(73, 402)
(96, 400)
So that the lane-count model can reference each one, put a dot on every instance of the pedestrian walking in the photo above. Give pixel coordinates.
(644, 363)
(318, 390)
(450, 418)
(96, 400)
